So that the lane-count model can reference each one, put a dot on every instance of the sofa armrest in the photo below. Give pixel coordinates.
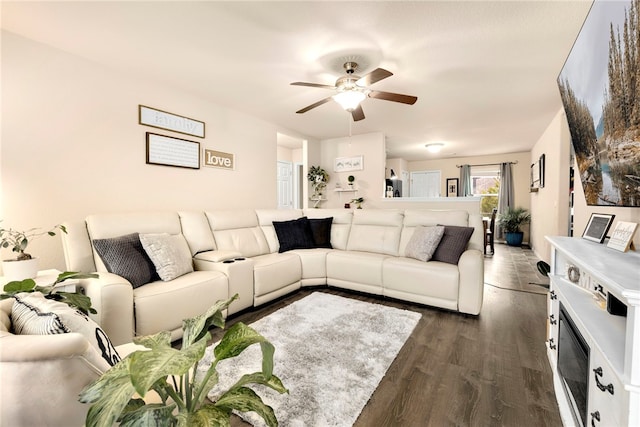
(471, 289)
(112, 297)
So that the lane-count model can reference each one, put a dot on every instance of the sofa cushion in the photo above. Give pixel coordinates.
(453, 243)
(423, 242)
(169, 253)
(321, 231)
(125, 256)
(294, 234)
(33, 314)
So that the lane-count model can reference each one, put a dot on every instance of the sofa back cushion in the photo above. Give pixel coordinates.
(375, 231)
(239, 231)
(195, 228)
(266, 217)
(106, 226)
(340, 225)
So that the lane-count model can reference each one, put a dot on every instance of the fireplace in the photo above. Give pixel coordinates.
(573, 366)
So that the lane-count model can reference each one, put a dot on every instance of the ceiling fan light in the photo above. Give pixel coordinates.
(435, 147)
(350, 99)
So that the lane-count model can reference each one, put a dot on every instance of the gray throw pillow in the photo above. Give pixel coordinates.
(125, 256)
(423, 242)
(169, 253)
(453, 244)
(33, 314)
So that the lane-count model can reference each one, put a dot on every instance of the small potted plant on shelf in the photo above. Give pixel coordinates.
(318, 178)
(359, 201)
(24, 266)
(510, 222)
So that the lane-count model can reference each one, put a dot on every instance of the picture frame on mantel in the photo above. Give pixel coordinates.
(622, 236)
(452, 187)
(168, 121)
(597, 227)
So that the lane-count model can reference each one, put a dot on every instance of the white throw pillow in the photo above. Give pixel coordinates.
(169, 253)
(33, 314)
(423, 242)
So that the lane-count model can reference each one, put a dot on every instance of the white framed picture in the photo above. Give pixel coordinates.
(622, 236)
(346, 164)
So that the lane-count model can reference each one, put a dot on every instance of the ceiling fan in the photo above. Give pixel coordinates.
(352, 89)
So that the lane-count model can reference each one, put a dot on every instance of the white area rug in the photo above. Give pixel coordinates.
(331, 353)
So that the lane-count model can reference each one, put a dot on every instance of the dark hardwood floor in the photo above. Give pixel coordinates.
(459, 370)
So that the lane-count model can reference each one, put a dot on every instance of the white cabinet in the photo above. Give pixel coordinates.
(581, 271)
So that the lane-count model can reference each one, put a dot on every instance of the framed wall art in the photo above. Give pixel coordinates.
(597, 227)
(347, 164)
(164, 120)
(452, 187)
(168, 151)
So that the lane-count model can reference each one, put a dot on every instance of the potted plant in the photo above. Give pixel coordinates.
(24, 266)
(351, 178)
(359, 201)
(510, 222)
(173, 375)
(318, 178)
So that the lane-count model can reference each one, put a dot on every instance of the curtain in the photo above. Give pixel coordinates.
(465, 181)
(506, 194)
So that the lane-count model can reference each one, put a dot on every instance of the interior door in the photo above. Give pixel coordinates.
(425, 184)
(285, 185)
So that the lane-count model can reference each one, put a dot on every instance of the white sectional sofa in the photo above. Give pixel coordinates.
(237, 251)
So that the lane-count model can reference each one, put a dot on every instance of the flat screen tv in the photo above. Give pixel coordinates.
(600, 90)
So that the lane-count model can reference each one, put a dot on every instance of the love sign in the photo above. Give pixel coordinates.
(218, 159)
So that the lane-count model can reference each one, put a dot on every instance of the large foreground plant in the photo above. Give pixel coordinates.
(171, 373)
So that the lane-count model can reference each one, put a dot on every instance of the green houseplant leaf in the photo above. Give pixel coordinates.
(171, 373)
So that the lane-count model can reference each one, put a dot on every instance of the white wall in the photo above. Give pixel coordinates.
(369, 181)
(550, 206)
(72, 146)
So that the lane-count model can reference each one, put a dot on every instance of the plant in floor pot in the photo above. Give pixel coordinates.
(24, 266)
(172, 375)
(510, 222)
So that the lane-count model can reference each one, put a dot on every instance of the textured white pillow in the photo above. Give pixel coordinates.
(33, 314)
(423, 242)
(169, 253)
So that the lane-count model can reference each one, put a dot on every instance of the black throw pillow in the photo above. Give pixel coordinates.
(294, 234)
(125, 256)
(453, 244)
(321, 230)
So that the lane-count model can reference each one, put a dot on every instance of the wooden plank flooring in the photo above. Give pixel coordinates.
(458, 370)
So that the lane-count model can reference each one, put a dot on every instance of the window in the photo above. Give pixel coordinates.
(485, 183)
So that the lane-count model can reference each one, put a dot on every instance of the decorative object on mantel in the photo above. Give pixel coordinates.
(163, 120)
(452, 187)
(622, 236)
(358, 201)
(510, 221)
(347, 164)
(168, 151)
(318, 178)
(167, 371)
(24, 266)
(53, 292)
(597, 227)
(351, 179)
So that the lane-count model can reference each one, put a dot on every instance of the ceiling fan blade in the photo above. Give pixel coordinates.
(357, 113)
(395, 97)
(313, 85)
(374, 76)
(314, 105)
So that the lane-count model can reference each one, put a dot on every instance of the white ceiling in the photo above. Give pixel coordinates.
(484, 72)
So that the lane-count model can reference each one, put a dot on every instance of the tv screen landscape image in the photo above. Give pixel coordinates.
(600, 90)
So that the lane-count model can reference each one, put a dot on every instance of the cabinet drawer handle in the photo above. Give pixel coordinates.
(602, 387)
(552, 346)
(553, 295)
(595, 416)
(552, 319)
